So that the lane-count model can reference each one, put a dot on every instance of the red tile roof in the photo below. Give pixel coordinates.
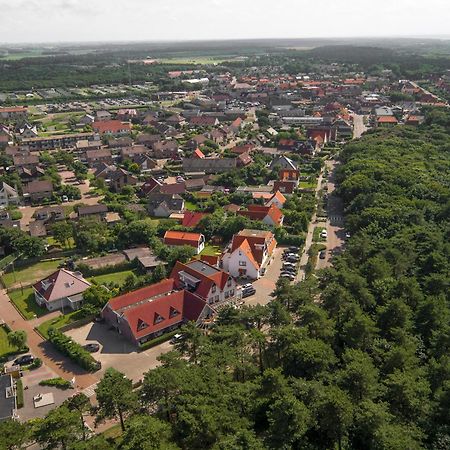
(387, 119)
(192, 219)
(258, 212)
(182, 238)
(111, 126)
(255, 239)
(198, 154)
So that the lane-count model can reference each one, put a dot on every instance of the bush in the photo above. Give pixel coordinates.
(19, 392)
(58, 382)
(158, 340)
(37, 362)
(72, 349)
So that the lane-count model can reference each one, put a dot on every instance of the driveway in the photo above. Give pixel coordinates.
(358, 126)
(115, 351)
(265, 285)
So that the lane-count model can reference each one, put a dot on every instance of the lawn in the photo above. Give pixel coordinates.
(25, 303)
(308, 184)
(58, 322)
(5, 346)
(211, 250)
(30, 274)
(190, 206)
(316, 235)
(115, 277)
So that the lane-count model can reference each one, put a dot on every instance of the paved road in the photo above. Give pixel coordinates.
(358, 126)
(335, 222)
(57, 362)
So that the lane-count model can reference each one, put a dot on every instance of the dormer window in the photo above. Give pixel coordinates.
(173, 312)
(158, 319)
(141, 325)
(214, 288)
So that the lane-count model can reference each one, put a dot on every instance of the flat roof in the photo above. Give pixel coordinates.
(202, 267)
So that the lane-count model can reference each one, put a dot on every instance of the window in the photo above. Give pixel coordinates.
(214, 288)
(173, 312)
(158, 318)
(231, 292)
(229, 282)
(242, 263)
(141, 325)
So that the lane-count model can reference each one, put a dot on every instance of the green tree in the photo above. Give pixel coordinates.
(96, 296)
(81, 404)
(18, 338)
(62, 232)
(115, 396)
(14, 434)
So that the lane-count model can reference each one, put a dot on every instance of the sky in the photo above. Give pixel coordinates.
(36, 21)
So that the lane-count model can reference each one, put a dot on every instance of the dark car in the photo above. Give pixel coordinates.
(322, 254)
(293, 249)
(92, 347)
(24, 360)
(248, 292)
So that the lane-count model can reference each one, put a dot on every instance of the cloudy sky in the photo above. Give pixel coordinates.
(113, 20)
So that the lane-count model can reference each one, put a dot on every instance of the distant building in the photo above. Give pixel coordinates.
(195, 240)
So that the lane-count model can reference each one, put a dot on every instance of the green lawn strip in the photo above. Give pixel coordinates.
(115, 277)
(307, 184)
(31, 274)
(316, 235)
(58, 322)
(19, 391)
(211, 250)
(24, 301)
(190, 206)
(5, 346)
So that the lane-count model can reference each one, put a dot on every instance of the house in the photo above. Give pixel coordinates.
(97, 211)
(120, 142)
(101, 116)
(38, 228)
(244, 159)
(28, 131)
(36, 191)
(57, 141)
(283, 162)
(194, 184)
(8, 398)
(277, 199)
(195, 240)
(191, 218)
(163, 205)
(60, 290)
(196, 141)
(210, 283)
(203, 121)
(148, 139)
(289, 175)
(144, 162)
(249, 253)
(25, 161)
(166, 149)
(209, 165)
(14, 113)
(387, 121)
(285, 187)
(198, 154)
(103, 155)
(153, 310)
(87, 119)
(144, 257)
(8, 195)
(120, 178)
(127, 114)
(130, 152)
(270, 215)
(111, 127)
(245, 148)
(50, 213)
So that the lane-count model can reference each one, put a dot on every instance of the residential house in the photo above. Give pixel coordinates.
(103, 155)
(163, 205)
(102, 116)
(249, 253)
(148, 139)
(92, 211)
(144, 257)
(50, 213)
(120, 178)
(8, 397)
(209, 165)
(166, 149)
(25, 161)
(198, 154)
(36, 191)
(120, 142)
(210, 283)
(111, 127)
(14, 113)
(283, 162)
(203, 121)
(62, 289)
(131, 152)
(8, 195)
(277, 199)
(192, 218)
(195, 240)
(153, 310)
(270, 215)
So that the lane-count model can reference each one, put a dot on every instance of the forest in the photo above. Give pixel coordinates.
(355, 358)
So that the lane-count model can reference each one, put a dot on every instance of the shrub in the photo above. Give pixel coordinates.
(58, 382)
(72, 349)
(37, 362)
(158, 340)
(19, 392)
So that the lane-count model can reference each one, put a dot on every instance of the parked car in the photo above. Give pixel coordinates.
(287, 275)
(293, 249)
(24, 360)
(176, 338)
(347, 235)
(64, 198)
(92, 347)
(322, 254)
(324, 234)
(247, 286)
(248, 292)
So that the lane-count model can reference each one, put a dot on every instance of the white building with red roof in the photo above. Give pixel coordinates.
(149, 312)
(61, 289)
(249, 253)
(196, 240)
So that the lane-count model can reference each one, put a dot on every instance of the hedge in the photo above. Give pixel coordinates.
(58, 382)
(158, 340)
(19, 393)
(72, 349)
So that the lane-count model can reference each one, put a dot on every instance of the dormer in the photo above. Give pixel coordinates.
(157, 319)
(173, 312)
(141, 325)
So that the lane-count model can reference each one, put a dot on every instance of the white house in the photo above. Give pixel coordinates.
(8, 195)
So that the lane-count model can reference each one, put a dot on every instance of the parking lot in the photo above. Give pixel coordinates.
(115, 351)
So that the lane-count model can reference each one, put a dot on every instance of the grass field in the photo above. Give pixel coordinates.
(307, 184)
(203, 60)
(5, 346)
(211, 250)
(26, 304)
(58, 322)
(30, 274)
(115, 277)
(190, 206)
(316, 235)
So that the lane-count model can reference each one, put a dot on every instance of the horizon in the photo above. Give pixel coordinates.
(76, 21)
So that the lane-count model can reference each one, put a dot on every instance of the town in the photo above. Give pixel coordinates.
(130, 213)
